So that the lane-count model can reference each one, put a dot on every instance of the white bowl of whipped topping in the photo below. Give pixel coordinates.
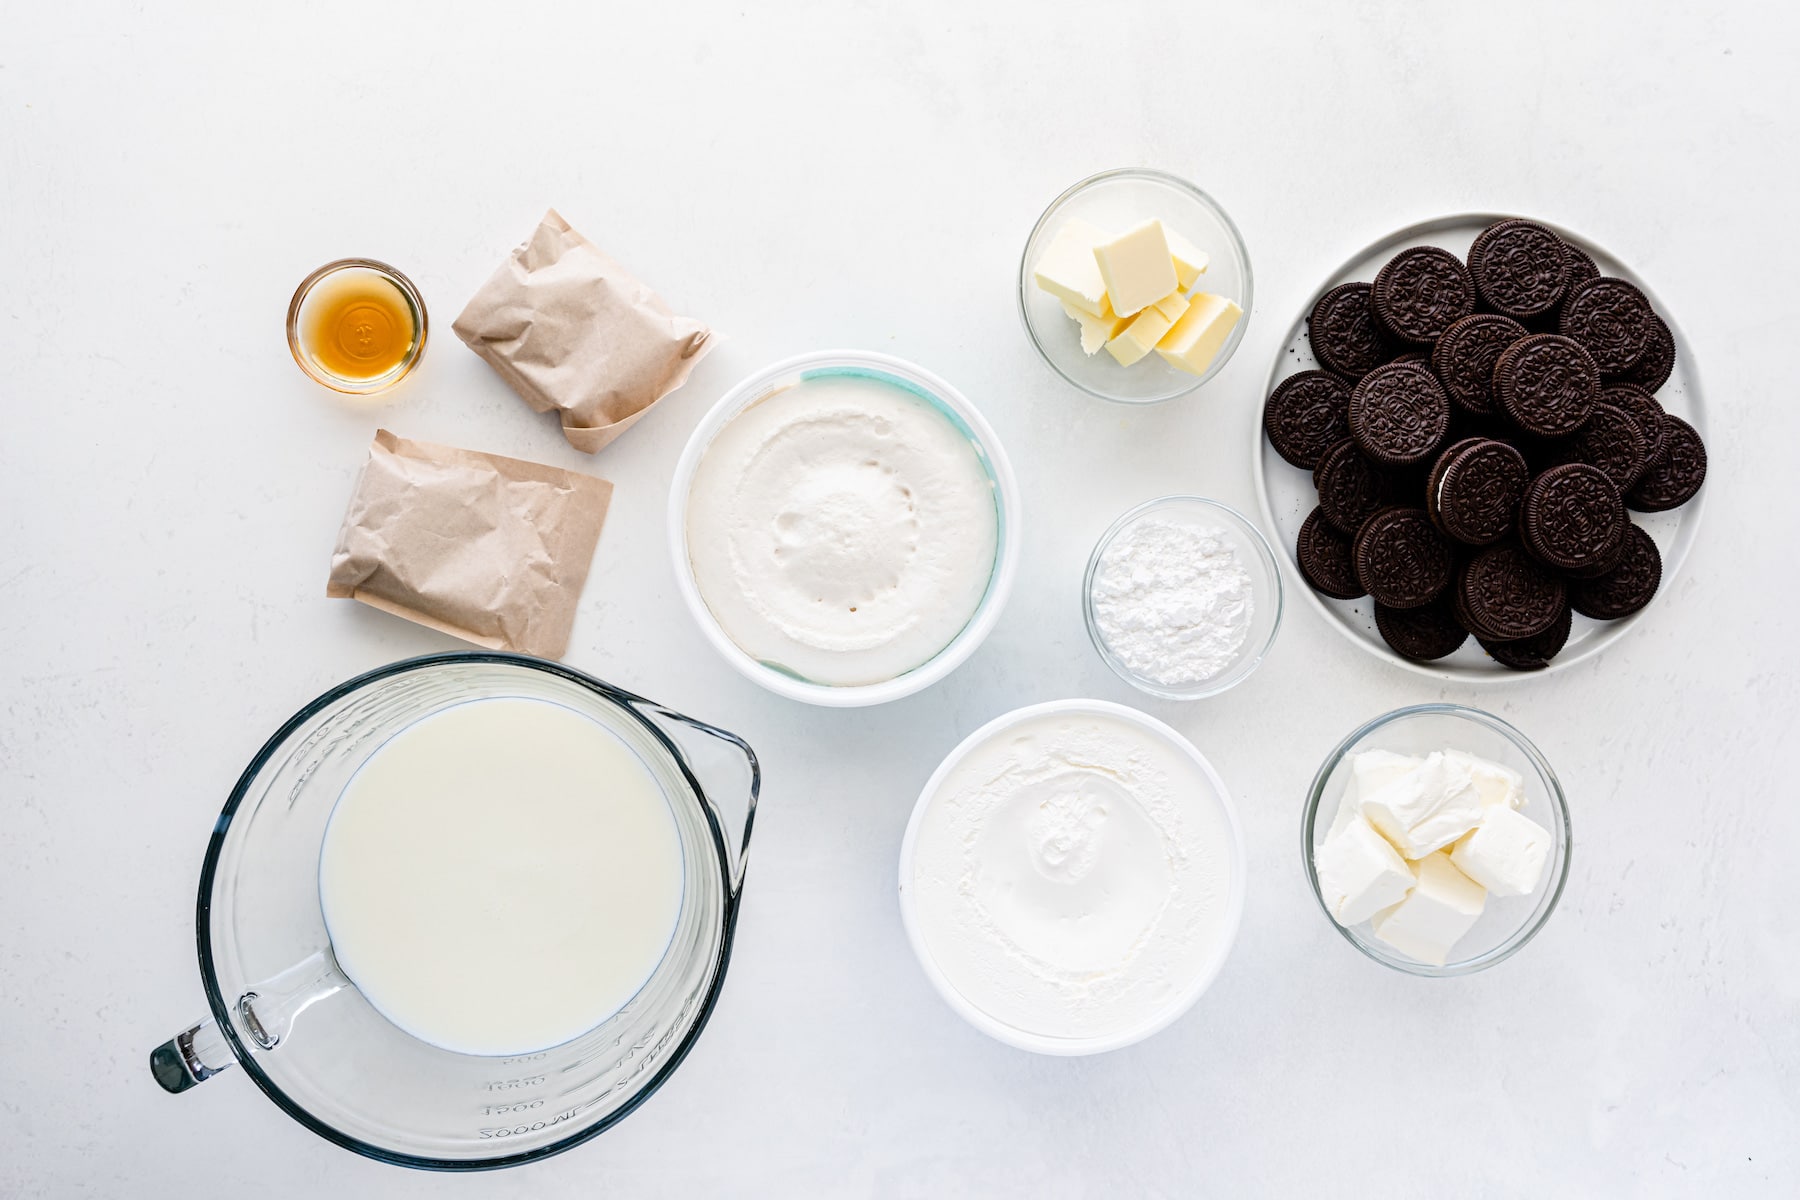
(1072, 878)
(844, 528)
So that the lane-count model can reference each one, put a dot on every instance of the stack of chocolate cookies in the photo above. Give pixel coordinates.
(1476, 434)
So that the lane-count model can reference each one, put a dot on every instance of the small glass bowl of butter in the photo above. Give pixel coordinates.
(1505, 922)
(1065, 297)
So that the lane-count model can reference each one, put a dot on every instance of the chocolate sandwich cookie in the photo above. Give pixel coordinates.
(1401, 559)
(1624, 589)
(1611, 441)
(1573, 517)
(1643, 408)
(1475, 490)
(1505, 595)
(1519, 268)
(1533, 653)
(1307, 414)
(1601, 565)
(1344, 334)
(1547, 384)
(1430, 631)
(1676, 472)
(1350, 487)
(1422, 292)
(1325, 559)
(1399, 414)
(1612, 321)
(1464, 358)
(1658, 363)
(1581, 267)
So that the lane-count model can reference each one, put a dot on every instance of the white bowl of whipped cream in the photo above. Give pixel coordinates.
(844, 528)
(1072, 878)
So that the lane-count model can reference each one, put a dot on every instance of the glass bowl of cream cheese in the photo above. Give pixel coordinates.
(1407, 781)
(844, 528)
(1182, 597)
(1072, 878)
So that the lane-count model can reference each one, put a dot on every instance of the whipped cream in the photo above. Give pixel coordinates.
(1073, 875)
(842, 529)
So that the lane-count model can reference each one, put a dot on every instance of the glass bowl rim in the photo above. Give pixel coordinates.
(1565, 839)
(414, 298)
(1206, 201)
(1271, 570)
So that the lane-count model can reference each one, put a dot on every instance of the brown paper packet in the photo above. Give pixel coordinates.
(493, 550)
(575, 333)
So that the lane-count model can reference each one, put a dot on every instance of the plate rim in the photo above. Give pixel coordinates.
(1692, 512)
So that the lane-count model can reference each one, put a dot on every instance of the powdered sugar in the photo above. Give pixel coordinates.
(1172, 601)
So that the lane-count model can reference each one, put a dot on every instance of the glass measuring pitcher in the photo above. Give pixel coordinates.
(281, 1007)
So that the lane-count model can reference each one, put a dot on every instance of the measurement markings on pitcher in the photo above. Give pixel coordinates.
(518, 1130)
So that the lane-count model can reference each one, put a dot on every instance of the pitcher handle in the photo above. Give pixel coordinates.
(191, 1057)
(746, 778)
(265, 1014)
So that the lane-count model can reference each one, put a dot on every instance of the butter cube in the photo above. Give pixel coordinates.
(1139, 337)
(1359, 873)
(1197, 338)
(1190, 261)
(1505, 854)
(1427, 808)
(1137, 268)
(1172, 306)
(1068, 270)
(1443, 905)
(1096, 331)
(1497, 784)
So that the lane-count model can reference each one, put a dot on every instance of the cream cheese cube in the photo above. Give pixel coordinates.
(1443, 905)
(1370, 771)
(1373, 770)
(1505, 854)
(1137, 268)
(1068, 270)
(1096, 331)
(1197, 338)
(1359, 873)
(1427, 808)
(1190, 261)
(1139, 337)
(1497, 784)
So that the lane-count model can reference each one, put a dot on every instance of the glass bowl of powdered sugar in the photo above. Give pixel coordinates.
(1182, 597)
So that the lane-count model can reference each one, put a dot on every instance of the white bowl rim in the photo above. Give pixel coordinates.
(1203, 979)
(953, 655)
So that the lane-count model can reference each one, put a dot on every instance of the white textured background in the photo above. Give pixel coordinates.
(859, 174)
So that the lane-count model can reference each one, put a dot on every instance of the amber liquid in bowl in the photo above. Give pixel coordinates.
(357, 326)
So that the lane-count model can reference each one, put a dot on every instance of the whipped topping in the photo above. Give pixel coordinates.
(1072, 875)
(842, 530)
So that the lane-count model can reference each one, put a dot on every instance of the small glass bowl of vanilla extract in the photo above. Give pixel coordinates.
(357, 325)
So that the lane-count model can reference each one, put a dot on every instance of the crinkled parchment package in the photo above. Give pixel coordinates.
(575, 333)
(494, 550)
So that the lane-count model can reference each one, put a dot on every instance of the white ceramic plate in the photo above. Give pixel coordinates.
(1287, 494)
